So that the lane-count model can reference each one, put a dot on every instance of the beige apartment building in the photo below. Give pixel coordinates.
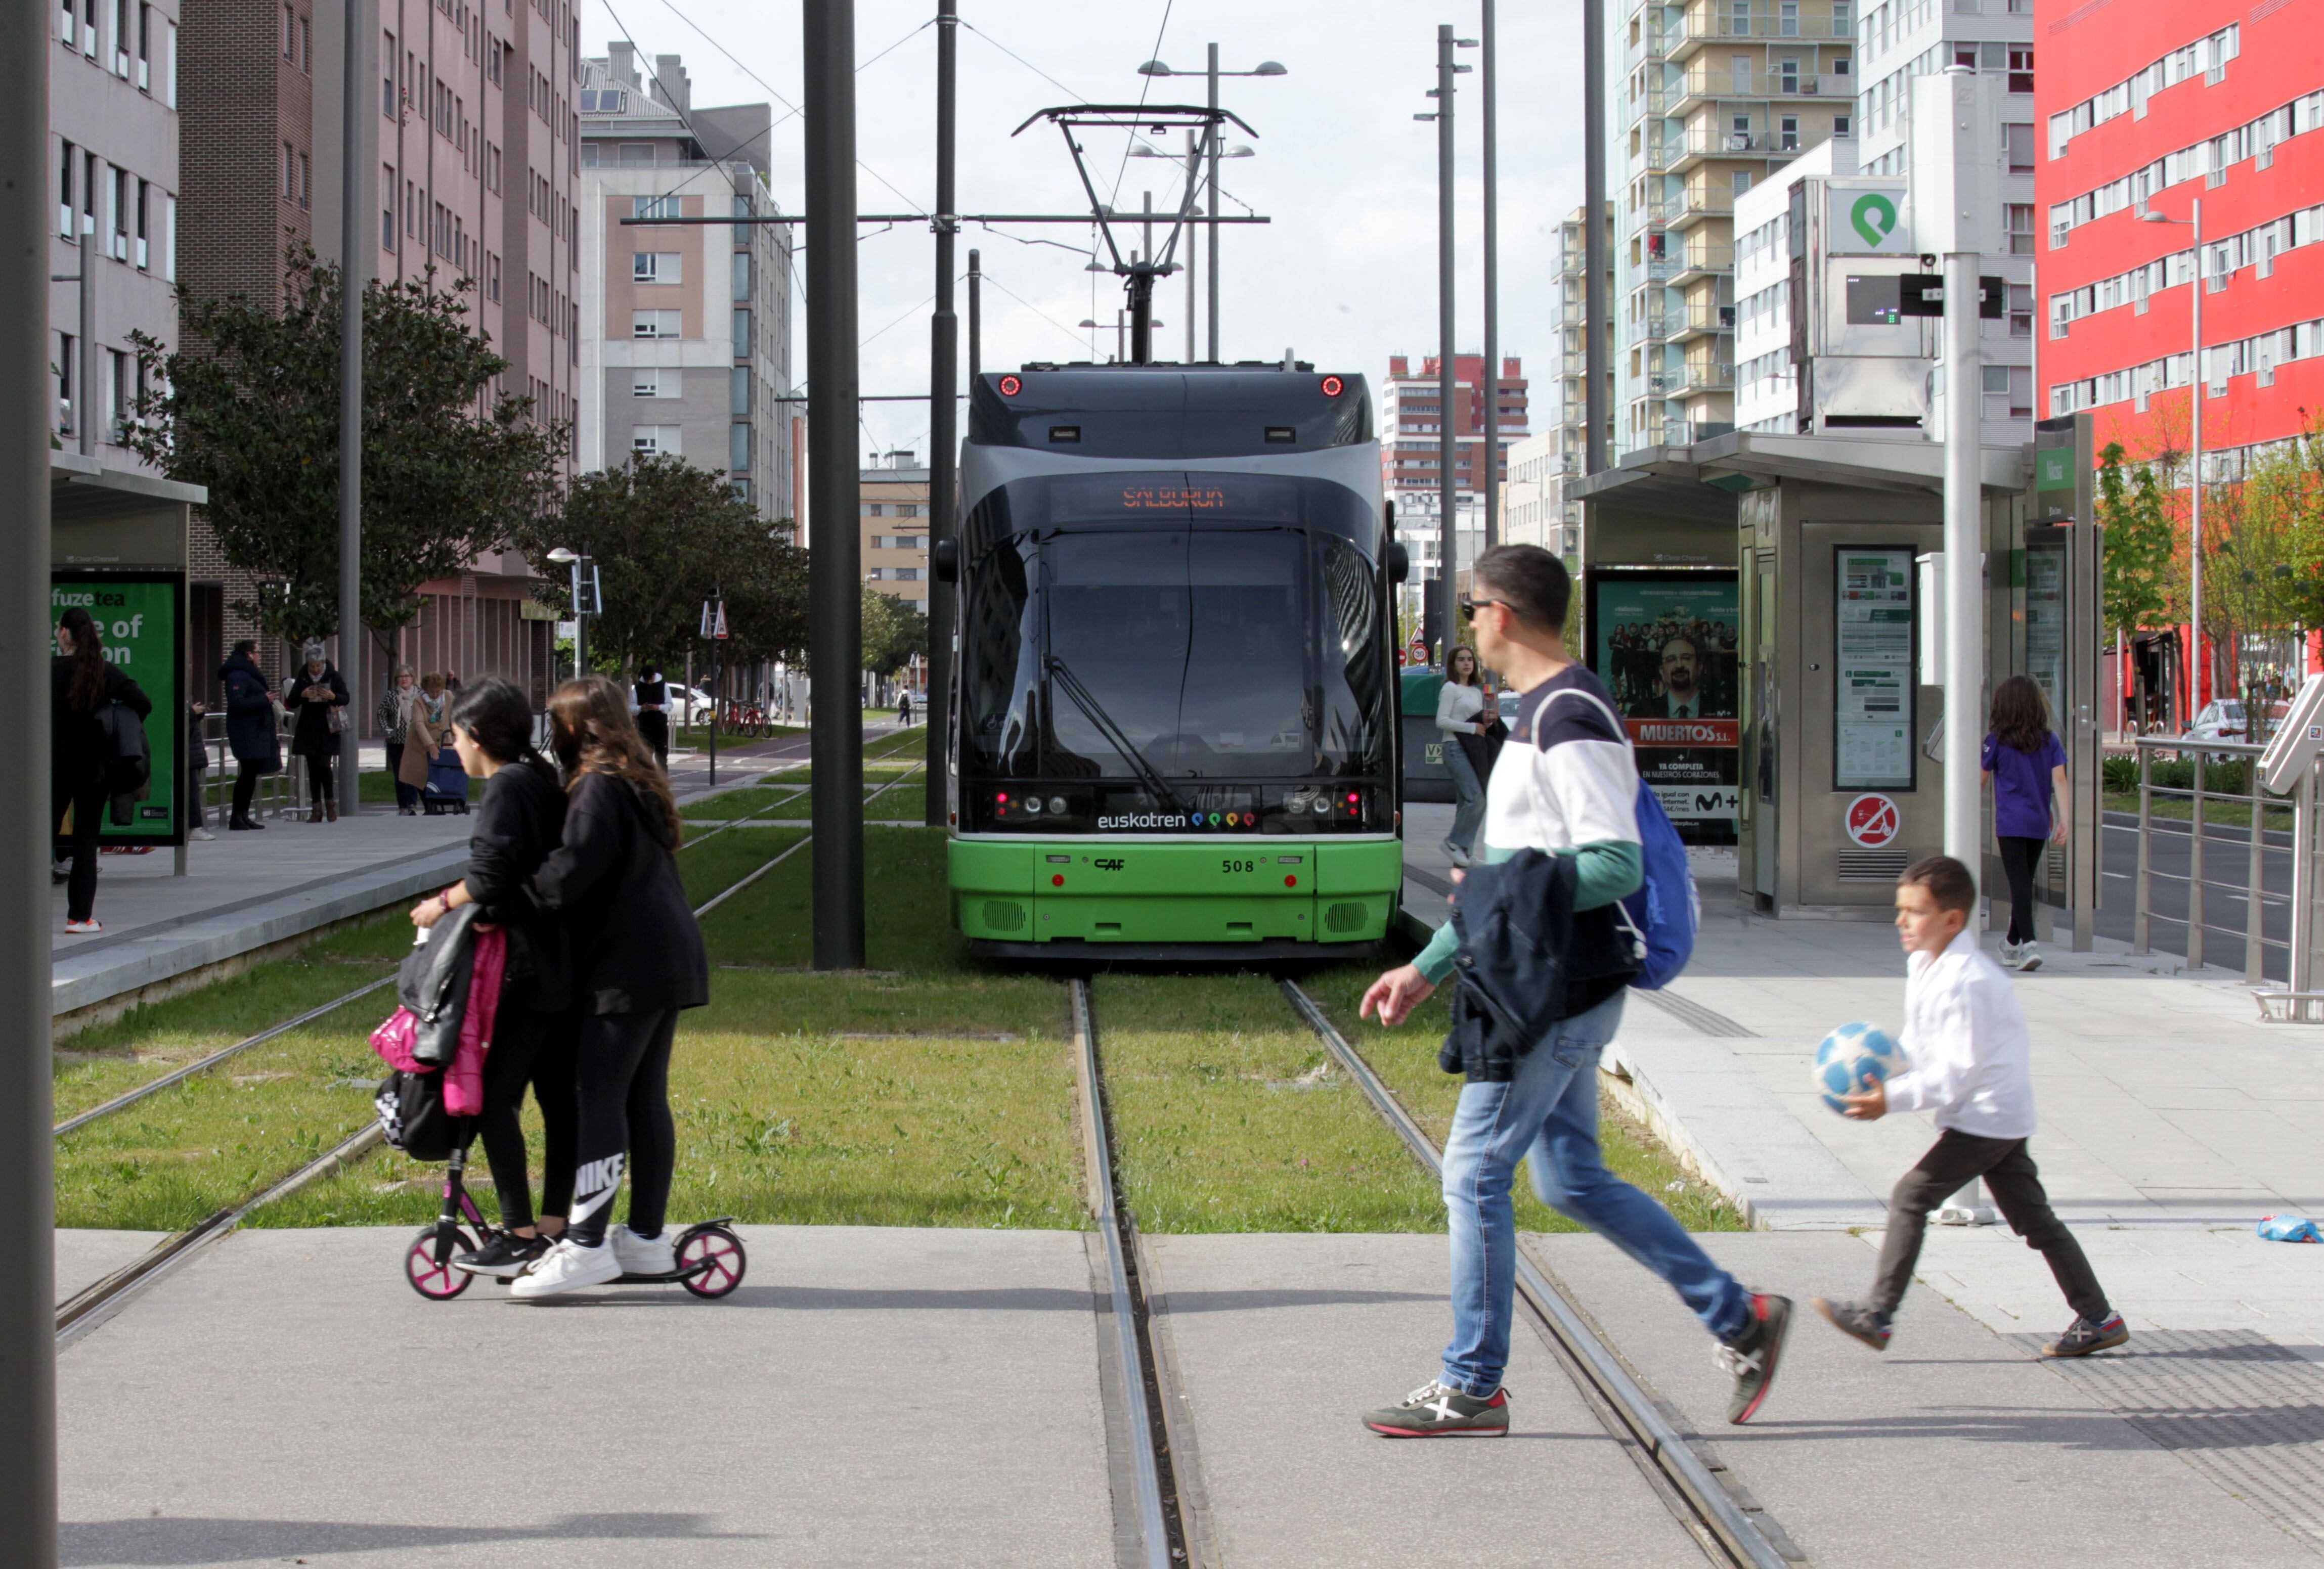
(1715, 95)
(895, 527)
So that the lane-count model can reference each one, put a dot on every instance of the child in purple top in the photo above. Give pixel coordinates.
(2026, 767)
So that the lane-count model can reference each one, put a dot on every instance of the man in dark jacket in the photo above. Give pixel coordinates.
(1569, 792)
(250, 730)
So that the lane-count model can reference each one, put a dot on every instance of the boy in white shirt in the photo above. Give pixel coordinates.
(1965, 1043)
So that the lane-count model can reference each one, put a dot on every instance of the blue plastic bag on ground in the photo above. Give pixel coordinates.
(2292, 1228)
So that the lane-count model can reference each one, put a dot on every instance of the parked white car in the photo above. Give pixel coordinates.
(2221, 720)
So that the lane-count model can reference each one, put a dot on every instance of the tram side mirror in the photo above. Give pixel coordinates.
(945, 558)
(2291, 750)
(1399, 563)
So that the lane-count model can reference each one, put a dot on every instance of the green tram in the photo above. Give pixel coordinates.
(1175, 720)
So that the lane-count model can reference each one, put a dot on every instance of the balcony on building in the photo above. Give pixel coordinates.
(1702, 258)
(1706, 319)
(1705, 141)
(1709, 23)
(1706, 86)
(1699, 203)
(1704, 375)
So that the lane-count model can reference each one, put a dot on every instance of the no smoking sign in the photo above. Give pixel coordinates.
(1873, 820)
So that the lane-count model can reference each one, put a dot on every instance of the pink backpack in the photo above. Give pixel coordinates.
(463, 1079)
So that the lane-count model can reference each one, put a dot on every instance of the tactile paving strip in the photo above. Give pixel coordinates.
(2237, 1407)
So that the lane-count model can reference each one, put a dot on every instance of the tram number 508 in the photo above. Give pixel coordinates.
(1235, 865)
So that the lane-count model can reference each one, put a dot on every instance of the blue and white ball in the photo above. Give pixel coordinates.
(1852, 1059)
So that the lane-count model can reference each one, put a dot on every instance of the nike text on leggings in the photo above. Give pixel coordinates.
(622, 1079)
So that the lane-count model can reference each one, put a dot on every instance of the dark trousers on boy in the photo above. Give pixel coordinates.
(2010, 1175)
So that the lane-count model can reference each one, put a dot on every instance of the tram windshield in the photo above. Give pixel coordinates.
(1162, 654)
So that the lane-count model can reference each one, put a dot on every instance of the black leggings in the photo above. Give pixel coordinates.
(534, 1049)
(87, 799)
(2019, 857)
(622, 1072)
(245, 787)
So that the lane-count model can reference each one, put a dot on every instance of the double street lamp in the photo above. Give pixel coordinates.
(586, 602)
(2199, 666)
(1212, 73)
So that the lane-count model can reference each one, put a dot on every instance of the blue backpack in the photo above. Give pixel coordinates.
(1665, 913)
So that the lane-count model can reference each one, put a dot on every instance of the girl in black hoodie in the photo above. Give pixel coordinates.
(517, 824)
(638, 959)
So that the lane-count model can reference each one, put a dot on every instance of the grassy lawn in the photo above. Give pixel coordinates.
(1229, 1117)
(2228, 812)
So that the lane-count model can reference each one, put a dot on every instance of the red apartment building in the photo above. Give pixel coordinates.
(2152, 105)
(1409, 421)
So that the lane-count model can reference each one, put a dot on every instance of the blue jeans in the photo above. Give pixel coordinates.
(1470, 814)
(1548, 1116)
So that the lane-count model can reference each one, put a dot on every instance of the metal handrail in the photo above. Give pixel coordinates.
(2259, 801)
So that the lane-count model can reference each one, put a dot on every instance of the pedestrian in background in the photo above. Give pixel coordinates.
(318, 697)
(650, 698)
(1463, 710)
(81, 682)
(198, 764)
(250, 733)
(394, 717)
(423, 736)
(2026, 765)
(638, 959)
(904, 708)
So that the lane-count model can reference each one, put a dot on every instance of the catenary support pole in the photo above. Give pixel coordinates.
(355, 221)
(944, 412)
(28, 1351)
(975, 313)
(1492, 380)
(1964, 815)
(1211, 136)
(1595, 306)
(1448, 445)
(834, 544)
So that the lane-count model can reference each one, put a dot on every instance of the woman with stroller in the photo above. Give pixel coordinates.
(394, 717)
(517, 823)
(638, 959)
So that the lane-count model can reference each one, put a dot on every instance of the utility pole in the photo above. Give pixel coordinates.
(944, 381)
(1595, 306)
(1448, 445)
(976, 315)
(1493, 388)
(354, 220)
(835, 550)
(28, 1347)
(1211, 135)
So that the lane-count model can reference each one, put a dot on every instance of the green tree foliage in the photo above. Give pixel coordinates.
(2142, 581)
(665, 536)
(894, 630)
(249, 407)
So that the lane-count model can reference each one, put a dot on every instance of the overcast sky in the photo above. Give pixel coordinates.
(1346, 273)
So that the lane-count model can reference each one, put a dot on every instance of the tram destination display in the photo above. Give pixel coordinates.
(1873, 694)
(1665, 644)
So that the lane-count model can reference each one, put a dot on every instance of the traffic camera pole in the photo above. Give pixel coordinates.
(834, 547)
(28, 1351)
(943, 382)
(354, 220)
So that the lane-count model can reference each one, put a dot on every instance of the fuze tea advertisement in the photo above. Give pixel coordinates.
(1664, 645)
(138, 618)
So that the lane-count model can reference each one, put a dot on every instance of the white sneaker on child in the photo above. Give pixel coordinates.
(644, 1255)
(568, 1267)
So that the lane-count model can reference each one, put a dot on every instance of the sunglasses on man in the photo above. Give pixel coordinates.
(1469, 608)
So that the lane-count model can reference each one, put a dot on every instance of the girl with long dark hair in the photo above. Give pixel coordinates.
(2026, 767)
(517, 823)
(1462, 706)
(81, 681)
(638, 959)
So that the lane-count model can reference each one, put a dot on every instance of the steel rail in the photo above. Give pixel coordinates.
(1731, 1527)
(1097, 1160)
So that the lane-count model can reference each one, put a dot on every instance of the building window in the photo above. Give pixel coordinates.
(656, 323)
(738, 447)
(661, 206)
(120, 39)
(2021, 309)
(387, 78)
(650, 439)
(2021, 66)
(909, 510)
(741, 491)
(143, 197)
(739, 397)
(306, 183)
(88, 29)
(1788, 133)
(647, 381)
(1842, 126)
(144, 49)
(875, 510)
(492, 276)
(170, 239)
(655, 267)
(2021, 228)
(2020, 140)
(306, 46)
(742, 334)
(118, 214)
(743, 276)
(289, 35)
(116, 394)
(65, 193)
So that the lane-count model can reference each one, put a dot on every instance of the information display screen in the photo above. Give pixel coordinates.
(141, 617)
(1873, 674)
(1664, 645)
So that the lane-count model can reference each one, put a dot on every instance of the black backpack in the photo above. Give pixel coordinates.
(411, 1115)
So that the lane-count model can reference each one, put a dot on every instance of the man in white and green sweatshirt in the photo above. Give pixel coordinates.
(1565, 784)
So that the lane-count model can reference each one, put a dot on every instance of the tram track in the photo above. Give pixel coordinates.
(1682, 1471)
(101, 1299)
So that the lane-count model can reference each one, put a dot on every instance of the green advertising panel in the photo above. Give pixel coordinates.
(142, 616)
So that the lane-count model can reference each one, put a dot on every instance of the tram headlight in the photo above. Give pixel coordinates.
(1057, 804)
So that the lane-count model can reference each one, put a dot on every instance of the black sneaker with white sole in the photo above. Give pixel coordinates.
(1753, 1356)
(2083, 1337)
(504, 1254)
(1438, 1410)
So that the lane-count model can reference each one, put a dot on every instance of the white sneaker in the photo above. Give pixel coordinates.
(201, 833)
(2027, 959)
(568, 1267)
(1456, 854)
(641, 1255)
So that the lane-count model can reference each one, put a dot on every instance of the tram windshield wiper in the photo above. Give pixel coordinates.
(1061, 675)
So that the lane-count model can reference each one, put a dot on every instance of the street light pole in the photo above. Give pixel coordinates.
(1492, 381)
(1193, 167)
(28, 1349)
(1447, 440)
(1596, 307)
(2199, 668)
(1211, 133)
(944, 381)
(355, 217)
(835, 550)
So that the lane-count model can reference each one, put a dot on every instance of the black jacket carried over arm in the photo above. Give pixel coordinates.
(635, 944)
(520, 821)
(1523, 955)
(78, 749)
